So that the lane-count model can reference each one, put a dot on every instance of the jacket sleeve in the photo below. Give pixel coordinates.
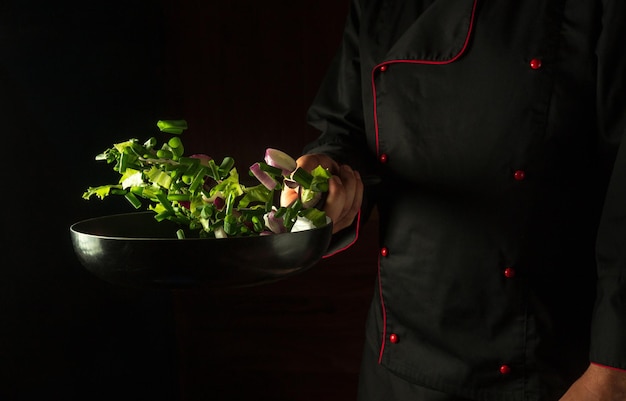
(608, 335)
(337, 112)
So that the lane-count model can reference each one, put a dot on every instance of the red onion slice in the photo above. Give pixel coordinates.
(263, 177)
(279, 159)
(204, 159)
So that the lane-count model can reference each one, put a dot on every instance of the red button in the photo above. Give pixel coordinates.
(383, 158)
(384, 251)
(505, 369)
(383, 68)
(393, 338)
(509, 272)
(519, 175)
(535, 64)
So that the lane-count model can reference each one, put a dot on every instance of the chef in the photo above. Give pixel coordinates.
(488, 136)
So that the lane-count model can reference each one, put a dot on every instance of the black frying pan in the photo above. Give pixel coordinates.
(133, 249)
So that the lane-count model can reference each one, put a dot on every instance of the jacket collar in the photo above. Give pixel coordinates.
(440, 35)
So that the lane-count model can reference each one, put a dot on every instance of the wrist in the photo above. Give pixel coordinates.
(608, 380)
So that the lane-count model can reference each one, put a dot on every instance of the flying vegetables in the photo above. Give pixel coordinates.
(207, 198)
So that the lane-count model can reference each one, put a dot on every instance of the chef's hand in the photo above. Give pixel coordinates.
(345, 190)
(598, 383)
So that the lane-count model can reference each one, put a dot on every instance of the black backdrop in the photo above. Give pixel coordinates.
(75, 78)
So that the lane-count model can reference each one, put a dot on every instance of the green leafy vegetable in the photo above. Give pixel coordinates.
(205, 197)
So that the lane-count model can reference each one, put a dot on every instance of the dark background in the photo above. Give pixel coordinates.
(76, 78)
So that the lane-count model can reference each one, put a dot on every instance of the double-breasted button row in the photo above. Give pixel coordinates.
(518, 175)
(535, 63)
(509, 272)
(503, 369)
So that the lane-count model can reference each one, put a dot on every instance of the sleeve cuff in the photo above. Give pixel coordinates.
(344, 239)
(608, 367)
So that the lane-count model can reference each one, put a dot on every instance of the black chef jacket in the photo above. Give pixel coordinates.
(495, 127)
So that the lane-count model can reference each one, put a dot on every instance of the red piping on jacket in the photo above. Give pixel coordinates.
(430, 62)
(382, 305)
(356, 236)
(608, 367)
(376, 68)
